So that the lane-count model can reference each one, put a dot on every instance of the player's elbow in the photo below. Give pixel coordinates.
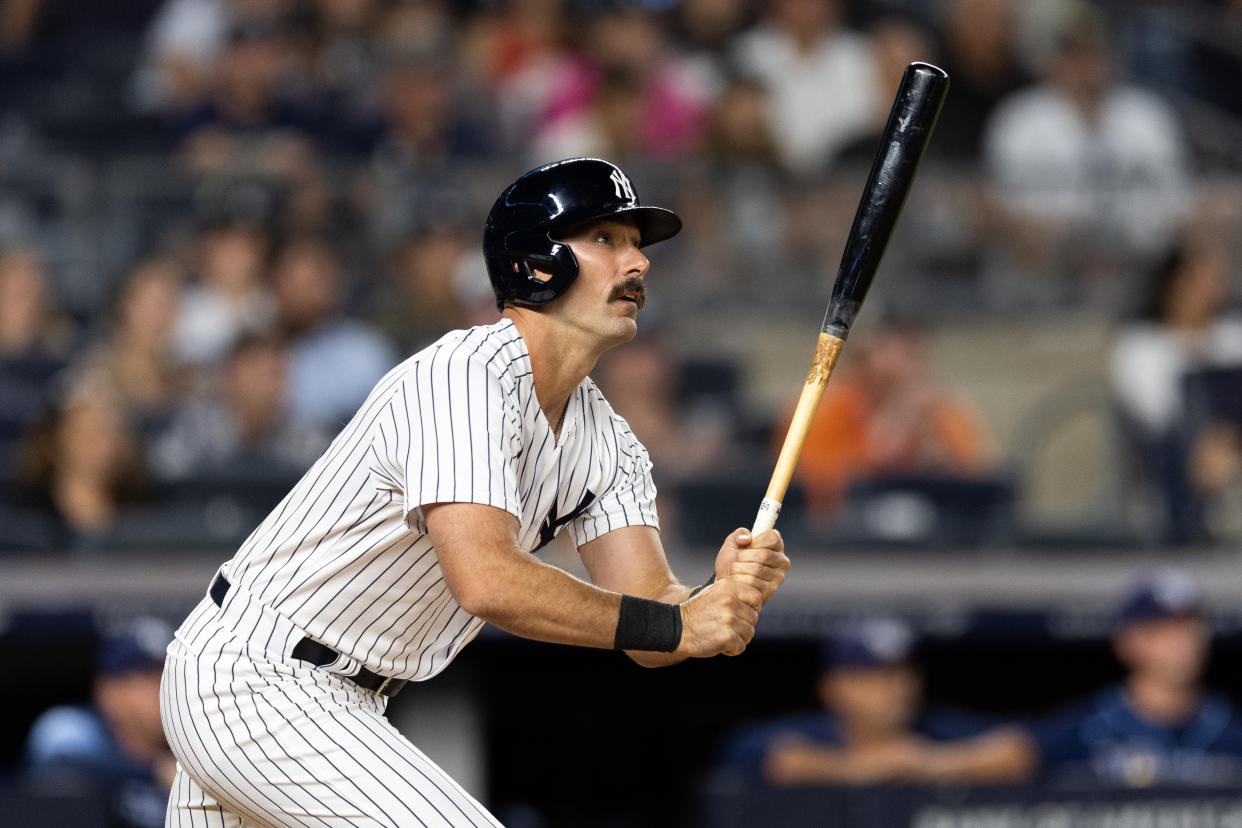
(479, 598)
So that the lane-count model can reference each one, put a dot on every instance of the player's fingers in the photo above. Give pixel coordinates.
(763, 555)
(749, 594)
(740, 537)
(770, 538)
(766, 588)
(760, 571)
(745, 609)
(738, 642)
(751, 580)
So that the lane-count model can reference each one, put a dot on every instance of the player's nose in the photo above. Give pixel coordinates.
(636, 262)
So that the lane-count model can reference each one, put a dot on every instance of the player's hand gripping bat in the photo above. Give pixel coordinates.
(910, 123)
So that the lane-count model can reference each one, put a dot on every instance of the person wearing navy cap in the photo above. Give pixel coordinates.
(114, 747)
(1158, 726)
(873, 726)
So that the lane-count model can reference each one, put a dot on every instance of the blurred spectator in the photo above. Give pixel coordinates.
(896, 41)
(333, 360)
(345, 59)
(35, 341)
(1158, 726)
(630, 94)
(1190, 52)
(243, 424)
(259, 115)
(82, 464)
(733, 205)
(740, 131)
(137, 356)
(884, 416)
(874, 727)
(520, 51)
(31, 328)
(644, 385)
(422, 120)
(1185, 325)
(1088, 175)
(980, 55)
(230, 296)
(424, 297)
(706, 28)
(804, 56)
(184, 46)
(605, 126)
(115, 746)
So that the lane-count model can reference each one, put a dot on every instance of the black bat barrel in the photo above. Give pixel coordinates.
(922, 92)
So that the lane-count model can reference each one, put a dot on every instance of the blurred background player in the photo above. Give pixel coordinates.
(115, 745)
(874, 726)
(1159, 725)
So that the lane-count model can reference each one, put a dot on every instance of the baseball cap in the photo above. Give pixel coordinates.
(138, 647)
(1167, 592)
(869, 643)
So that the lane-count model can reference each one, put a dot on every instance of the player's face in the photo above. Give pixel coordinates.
(876, 700)
(1171, 649)
(604, 300)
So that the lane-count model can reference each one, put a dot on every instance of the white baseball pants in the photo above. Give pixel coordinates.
(263, 739)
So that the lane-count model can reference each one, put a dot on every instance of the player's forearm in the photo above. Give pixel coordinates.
(536, 600)
(799, 763)
(1003, 755)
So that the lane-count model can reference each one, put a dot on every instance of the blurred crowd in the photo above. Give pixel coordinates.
(1159, 725)
(222, 220)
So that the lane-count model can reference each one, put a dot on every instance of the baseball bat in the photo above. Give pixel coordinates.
(910, 123)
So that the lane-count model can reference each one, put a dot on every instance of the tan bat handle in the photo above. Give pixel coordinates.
(826, 352)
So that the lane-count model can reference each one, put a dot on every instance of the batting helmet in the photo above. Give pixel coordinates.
(524, 221)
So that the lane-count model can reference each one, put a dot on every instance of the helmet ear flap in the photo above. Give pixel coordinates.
(566, 265)
(529, 289)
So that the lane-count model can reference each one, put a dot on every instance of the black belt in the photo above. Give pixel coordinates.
(318, 654)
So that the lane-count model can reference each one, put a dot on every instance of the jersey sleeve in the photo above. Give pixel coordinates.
(454, 435)
(630, 498)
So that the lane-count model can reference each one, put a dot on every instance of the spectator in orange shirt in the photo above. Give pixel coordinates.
(882, 415)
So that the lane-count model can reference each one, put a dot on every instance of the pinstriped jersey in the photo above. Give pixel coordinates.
(346, 555)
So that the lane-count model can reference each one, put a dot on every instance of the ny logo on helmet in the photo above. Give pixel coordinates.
(622, 185)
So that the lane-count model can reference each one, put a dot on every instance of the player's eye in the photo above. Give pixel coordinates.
(603, 237)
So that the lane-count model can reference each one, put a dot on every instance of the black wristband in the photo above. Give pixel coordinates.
(702, 586)
(644, 624)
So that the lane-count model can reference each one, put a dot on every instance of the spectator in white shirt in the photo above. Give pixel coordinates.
(821, 77)
(1088, 174)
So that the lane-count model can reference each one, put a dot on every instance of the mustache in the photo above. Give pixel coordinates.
(631, 285)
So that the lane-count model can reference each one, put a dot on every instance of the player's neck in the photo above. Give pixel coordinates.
(1162, 702)
(558, 363)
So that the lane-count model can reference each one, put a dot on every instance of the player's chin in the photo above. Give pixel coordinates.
(621, 330)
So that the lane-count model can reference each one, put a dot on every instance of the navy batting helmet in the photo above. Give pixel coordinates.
(522, 226)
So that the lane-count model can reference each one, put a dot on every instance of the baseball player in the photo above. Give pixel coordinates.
(421, 522)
